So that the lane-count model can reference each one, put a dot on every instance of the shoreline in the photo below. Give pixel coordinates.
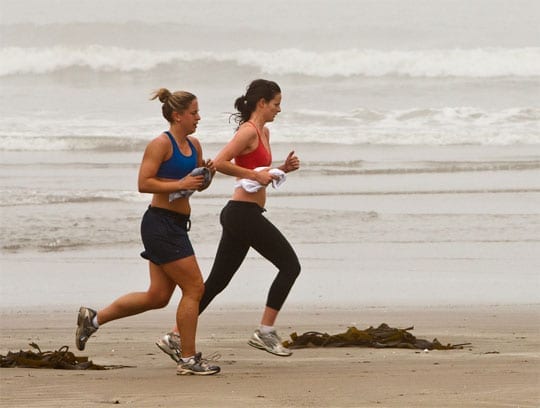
(333, 275)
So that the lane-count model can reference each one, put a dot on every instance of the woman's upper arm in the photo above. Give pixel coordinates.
(241, 143)
(152, 159)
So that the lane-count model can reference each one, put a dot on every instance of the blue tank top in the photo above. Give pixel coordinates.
(178, 166)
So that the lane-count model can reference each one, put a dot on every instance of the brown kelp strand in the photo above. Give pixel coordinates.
(383, 336)
(57, 359)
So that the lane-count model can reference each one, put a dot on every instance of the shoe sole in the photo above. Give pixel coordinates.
(80, 319)
(189, 372)
(166, 351)
(259, 346)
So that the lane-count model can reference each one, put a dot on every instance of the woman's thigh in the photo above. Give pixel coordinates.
(185, 273)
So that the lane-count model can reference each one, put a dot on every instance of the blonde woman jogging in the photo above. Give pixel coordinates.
(166, 168)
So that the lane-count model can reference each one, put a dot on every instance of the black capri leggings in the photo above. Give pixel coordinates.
(244, 226)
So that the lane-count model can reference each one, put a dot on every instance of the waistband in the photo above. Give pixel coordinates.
(182, 219)
(245, 205)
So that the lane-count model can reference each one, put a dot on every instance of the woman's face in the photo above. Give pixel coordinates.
(189, 118)
(272, 108)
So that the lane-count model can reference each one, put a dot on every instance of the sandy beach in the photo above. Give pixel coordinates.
(500, 369)
(447, 244)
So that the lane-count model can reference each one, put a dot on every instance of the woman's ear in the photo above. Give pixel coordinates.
(176, 117)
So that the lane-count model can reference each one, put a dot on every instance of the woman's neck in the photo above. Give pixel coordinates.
(257, 121)
(177, 133)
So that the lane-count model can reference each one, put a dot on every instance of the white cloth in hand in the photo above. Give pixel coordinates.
(252, 186)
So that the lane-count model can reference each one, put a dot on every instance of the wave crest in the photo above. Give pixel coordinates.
(480, 62)
(431, 126)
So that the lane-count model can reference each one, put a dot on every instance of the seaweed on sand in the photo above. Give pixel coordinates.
(57, 359)
(383, 336)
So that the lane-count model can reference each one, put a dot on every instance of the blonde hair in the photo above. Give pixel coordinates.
(177, 101)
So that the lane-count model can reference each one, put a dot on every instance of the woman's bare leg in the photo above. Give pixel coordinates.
(187, 275)
(269, 316)
(157, 296)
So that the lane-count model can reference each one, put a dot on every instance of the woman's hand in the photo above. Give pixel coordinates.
(292, 163)
(263, 177)
(191, 182)
(209, 164)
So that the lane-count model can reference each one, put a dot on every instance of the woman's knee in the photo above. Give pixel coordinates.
(194, 291)
(291, 269)
(199, 291)
(156, 300)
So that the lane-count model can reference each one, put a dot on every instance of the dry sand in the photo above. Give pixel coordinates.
(500, 369)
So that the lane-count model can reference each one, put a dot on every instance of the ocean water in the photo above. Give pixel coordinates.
(78, 75)
(417, 122)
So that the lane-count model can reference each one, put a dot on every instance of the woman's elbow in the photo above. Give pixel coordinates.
(142, 186)
(221, 164)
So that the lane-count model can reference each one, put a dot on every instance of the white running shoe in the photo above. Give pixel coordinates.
(269, 342)
(197, 366)
(170, 345)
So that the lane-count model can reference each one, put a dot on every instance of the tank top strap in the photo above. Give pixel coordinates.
(192, 146)
(175, 147)
(255, 127)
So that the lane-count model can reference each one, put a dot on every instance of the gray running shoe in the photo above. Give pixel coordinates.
(170, 345)
(197, 366)
(85, 328)
(269, 342)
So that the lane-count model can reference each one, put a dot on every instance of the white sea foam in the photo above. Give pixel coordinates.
(430, 126)
(468, 63)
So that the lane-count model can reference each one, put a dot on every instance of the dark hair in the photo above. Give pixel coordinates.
(177, 101)
(256, 90)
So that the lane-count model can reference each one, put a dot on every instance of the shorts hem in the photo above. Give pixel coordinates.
(165, 261)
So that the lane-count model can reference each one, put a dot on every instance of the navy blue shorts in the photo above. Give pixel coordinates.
(165, 235)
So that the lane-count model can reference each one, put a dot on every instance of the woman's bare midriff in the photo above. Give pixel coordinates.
(180, 205)
(258, 197)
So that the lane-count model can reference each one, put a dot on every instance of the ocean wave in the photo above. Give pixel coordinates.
(437, 63)
(421, 126)
(27, 141)
(428, 168)
(435, 116)
(22, 197)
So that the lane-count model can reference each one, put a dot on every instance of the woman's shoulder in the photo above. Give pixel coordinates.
(193, 140)
(248, 127)
(159, 146)
(160, 140)
(246, 131)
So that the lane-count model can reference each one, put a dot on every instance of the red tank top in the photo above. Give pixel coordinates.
(259, 157)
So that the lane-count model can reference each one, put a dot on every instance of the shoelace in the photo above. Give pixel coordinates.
(272, 338)
(213, 357)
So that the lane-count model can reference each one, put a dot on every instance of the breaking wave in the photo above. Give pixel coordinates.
(468, 63)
